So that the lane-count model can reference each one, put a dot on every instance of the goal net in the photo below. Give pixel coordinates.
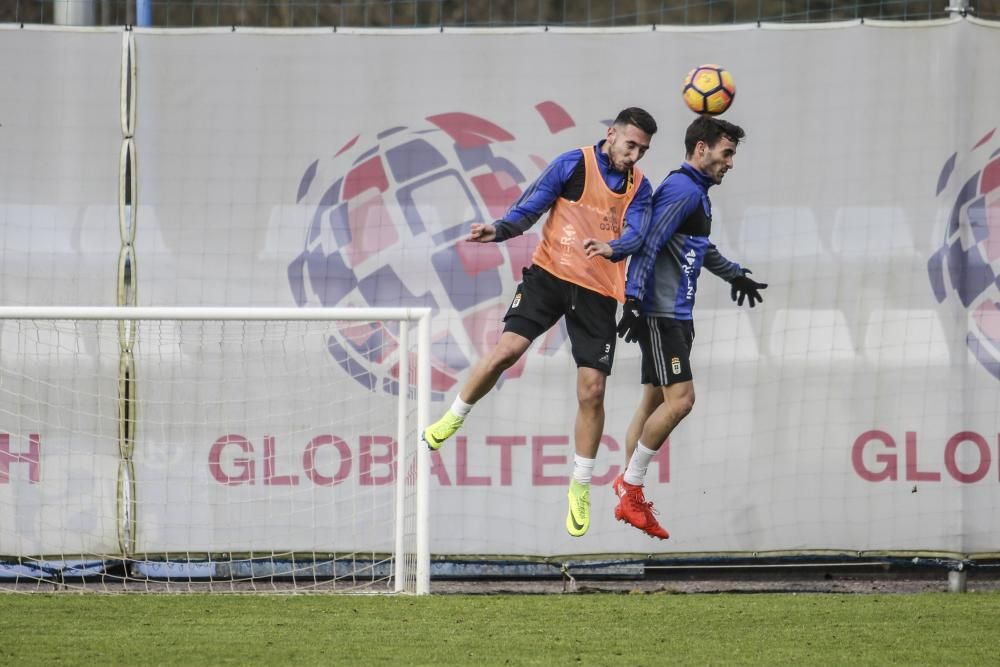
(193, 448)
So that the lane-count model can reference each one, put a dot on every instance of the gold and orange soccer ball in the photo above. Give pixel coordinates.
(709, 89)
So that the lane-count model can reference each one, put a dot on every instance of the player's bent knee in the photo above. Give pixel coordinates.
(508, 350)
(681, 401)
(502, 361)
(685, 403)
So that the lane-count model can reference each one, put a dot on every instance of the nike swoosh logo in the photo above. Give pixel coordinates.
(572, 518)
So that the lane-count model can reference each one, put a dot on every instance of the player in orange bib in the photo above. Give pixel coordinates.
(594, 195)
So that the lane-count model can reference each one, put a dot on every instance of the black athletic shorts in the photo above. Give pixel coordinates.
(542, 298)
(666, 350)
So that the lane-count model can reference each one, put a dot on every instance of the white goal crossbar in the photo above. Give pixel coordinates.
(414, 474)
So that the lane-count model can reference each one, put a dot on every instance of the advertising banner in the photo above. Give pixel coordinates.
(855, 409)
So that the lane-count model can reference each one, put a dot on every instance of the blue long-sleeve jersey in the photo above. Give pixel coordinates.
(557, 180)
(664, 273)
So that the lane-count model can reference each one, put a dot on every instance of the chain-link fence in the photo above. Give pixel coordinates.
(475, 13)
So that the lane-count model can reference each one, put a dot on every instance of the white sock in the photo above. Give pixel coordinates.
(583, 469)
(460, 408)
(635, 474)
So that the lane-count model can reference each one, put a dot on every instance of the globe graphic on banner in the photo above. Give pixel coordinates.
(388, 218)
(967, 265)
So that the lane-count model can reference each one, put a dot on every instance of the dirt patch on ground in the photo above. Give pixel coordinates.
(714, 581)
(850, 578)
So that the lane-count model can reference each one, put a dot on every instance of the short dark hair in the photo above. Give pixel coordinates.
(638, 117)
(709, 129)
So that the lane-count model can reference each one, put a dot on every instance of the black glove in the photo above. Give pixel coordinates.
(746, 288)
(632, 321)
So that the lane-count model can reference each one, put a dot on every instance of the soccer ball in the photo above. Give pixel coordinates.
(709, 89)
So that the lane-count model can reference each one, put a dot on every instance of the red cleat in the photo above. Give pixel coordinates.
(634, 510)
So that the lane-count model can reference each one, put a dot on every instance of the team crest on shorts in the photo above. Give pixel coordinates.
(675, 365)
(517, 300)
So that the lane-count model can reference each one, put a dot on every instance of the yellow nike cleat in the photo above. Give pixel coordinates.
(578, 516)
(435, 434)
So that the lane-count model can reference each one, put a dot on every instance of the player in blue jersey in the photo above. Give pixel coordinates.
(659, 303)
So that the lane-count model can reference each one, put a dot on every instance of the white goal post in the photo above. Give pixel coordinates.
(233, 448)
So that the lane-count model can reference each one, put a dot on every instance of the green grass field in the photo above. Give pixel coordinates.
(597, 629)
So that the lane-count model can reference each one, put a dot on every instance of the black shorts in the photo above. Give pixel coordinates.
(542, 298)
(666, 351)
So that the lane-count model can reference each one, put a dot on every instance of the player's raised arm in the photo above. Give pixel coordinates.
(536, 199)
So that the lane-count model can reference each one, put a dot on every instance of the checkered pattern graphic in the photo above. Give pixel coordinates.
(967, 265)
(388, 219)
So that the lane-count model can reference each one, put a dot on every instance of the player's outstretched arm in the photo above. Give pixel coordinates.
(745, 288)
(482, 232)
